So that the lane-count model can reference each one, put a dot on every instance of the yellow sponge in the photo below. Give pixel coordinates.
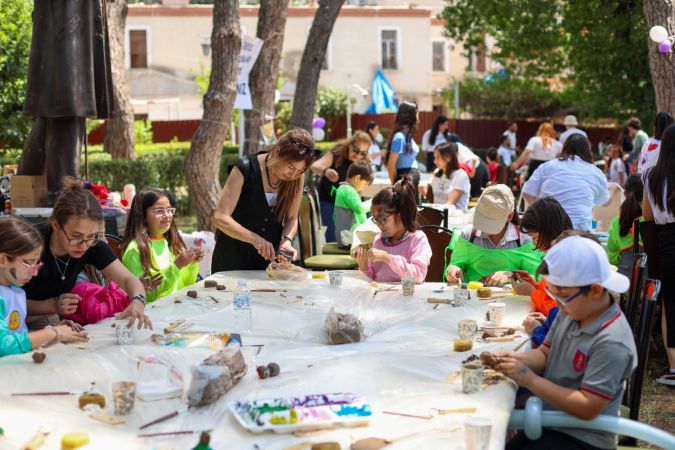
(475, 285)
(74, 440)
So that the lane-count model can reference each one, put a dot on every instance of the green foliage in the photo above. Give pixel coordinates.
(283, 117)
(202, 78)
(15, 37)
(143, 129)
(596, 48)
(504, 98)
(330, 102)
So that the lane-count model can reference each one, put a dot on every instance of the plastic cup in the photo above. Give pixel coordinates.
(408, 286)
(477, 431)
(496, 311)
(472, 377)
(124, 395)
(467, 328)
(335, 278)
(124, 333)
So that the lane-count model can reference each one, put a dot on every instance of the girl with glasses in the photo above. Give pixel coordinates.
(332, 167)
(153, 248)
(400, 250)
(72, 241)
(20, 251)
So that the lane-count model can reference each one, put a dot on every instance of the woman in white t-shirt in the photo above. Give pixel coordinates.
(450, 185)
(539, 149)
(617, 166)
(434, 137)
(375, 152)
(658, 205)
(573, 180)
(649, 153)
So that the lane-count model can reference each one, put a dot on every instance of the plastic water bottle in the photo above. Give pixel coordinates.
(243, 318)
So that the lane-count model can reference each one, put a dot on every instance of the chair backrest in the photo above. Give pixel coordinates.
(649, 297)
(439, 238)
(305, 225)
(314, 196)
(636, 236)
(115, 245)
(637, 282)
(429, 216)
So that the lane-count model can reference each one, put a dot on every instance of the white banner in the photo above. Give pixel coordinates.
(250, 49)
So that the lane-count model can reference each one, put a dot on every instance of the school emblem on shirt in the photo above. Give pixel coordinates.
(579, 362)
(653, 146)
(14, 320)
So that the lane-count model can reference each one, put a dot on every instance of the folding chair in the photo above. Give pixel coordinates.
(429, 216)
(115, 245)
(637, 284)
(439, 238)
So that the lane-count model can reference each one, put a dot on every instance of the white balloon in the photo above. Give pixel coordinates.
(318, 134)
(658, 34)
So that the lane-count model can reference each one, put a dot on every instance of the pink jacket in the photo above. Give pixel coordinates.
(410, 258)
(97, 303)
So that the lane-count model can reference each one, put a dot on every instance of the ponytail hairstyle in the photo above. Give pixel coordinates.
(448, 150)
(370, 126)
(402, 199)
(406, 122)
(18, 237)
(631, 208)
(76, 201)
(547, 218)
(137, 228)
(663, 120)
(440, 120)
(294, 146)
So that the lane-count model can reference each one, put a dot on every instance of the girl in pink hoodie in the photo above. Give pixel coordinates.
(400, 250)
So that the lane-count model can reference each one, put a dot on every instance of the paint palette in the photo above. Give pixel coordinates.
(311, 412)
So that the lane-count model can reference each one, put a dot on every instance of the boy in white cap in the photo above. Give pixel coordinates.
(571, 124)
(493, 244)
(587, 355)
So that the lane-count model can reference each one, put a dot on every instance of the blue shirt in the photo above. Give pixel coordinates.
(407, 157)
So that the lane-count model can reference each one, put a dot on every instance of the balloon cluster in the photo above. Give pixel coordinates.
(660, 35)
(317, 129)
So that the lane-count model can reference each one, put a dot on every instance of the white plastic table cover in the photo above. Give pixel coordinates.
(381, 181)
(403, 366)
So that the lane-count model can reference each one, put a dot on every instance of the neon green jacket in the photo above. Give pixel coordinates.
(11, 343)
(617, 244)
(174, 278)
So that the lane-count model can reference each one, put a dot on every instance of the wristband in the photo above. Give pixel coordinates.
(139, 297)
(285, 238)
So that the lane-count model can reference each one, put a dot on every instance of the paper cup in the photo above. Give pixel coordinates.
(496, 312)
(477, 431)
(472, 377)
(125, 334)
(335, 278)
(467, 328)
(408, 286)
(124, 395)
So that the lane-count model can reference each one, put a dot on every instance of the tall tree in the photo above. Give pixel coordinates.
(264, 74)
(596, 47)
(304, 98)
(203, 160)
(120, 136)
(662, 12)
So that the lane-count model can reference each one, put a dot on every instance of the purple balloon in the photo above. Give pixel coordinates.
(319, 122)
(665, 47)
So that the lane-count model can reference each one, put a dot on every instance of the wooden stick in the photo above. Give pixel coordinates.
(27, 394)
(168, 433)
(160, 419)
(393, 413)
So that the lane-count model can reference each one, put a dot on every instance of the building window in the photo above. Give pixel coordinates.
(138, 49)
(389, 46)
(438, 56)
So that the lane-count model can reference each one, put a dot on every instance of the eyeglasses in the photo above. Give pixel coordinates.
(563, 301)
(381, 219)
(295, 170)
(31, 267)
(358, 151)
(87, 242)
(163, 211)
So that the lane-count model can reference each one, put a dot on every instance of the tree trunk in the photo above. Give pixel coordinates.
(202, 163)
(264, 74)
(120, 136)
(304, 98)
(661, 12)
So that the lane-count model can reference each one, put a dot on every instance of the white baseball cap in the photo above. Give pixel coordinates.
(571, 120)
(494, 206)
(577, 261)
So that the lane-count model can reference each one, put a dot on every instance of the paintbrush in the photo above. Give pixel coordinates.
(30, 394)
(163, 418)
(172, 433)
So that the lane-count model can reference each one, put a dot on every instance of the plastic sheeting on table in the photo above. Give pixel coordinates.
(403, 365)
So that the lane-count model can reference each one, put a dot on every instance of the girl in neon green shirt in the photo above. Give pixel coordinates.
(621, 232)
(153, 249)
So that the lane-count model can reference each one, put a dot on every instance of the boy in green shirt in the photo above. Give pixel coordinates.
(350, 211)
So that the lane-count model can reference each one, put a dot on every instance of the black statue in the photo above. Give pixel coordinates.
(69, 80)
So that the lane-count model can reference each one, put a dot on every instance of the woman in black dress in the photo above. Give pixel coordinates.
(257, 214)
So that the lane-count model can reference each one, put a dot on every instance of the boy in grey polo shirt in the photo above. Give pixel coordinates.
(588, 353)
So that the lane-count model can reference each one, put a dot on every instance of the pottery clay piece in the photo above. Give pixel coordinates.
(488, 360)
(343, 328)
(192, 294)
(215, 376)
(38, 357)
(210, 283)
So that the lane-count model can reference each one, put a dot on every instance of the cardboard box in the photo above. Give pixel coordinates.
(28, 191)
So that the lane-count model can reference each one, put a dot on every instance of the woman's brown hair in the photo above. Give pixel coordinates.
(400, 198)
(296, 145)
(18, 237)
(448, 150)
(76, 201)
(406, 122)
(137, 228)
(342, 147)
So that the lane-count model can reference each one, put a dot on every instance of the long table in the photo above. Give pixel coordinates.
(402, 366)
